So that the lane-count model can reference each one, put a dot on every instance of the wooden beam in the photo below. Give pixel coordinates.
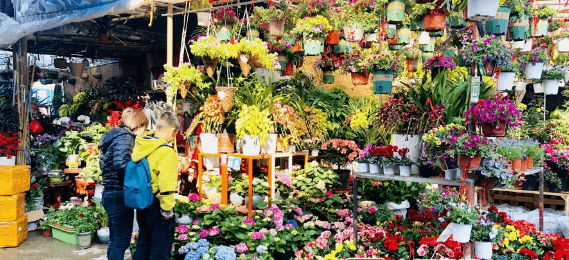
(170, 36)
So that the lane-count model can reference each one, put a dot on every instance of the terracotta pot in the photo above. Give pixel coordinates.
(360, 78)
(412, 65)
(524, 164)
(471, 163)
(47, 232)
(530, 162)
(434, 23)
(517, 165)
(494, 128)
(333, 38)
(289, 70)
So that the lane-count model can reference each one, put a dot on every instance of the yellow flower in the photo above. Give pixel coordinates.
(339, 247)
(351, 245)
(522, 106)
(511, 228)
(506, 242)
(331, 256)
(513, 236)
(538, 110)
(526, 239)
(439, 142)
(496, 226)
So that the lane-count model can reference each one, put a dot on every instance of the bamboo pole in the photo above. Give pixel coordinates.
(170, 36)
(22, 89)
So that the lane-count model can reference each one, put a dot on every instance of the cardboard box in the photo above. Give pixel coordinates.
(35, 215)
(12, 207)
(14, 179)
(13, 233)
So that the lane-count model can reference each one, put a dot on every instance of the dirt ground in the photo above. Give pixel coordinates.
(38, 247)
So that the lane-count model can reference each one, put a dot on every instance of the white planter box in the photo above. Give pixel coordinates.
(533, 70)
(521, 85)
(6, 161)
(354, 32)
(482, 10)
(506, 81)
(374, 168)
(551, 87)
(538, 88)
(461, 233)
(563, 44)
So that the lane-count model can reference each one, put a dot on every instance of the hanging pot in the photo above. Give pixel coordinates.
(313, 46)
(210, 65)
(328, 77)
(518, 28)
(391, 31)
(506, 81)
(383, 81)
(563, 44)
(456, 23)
(551, 86)
(276, 26)
(528, 45)
(395, 11)
(60, 63)
(224, 32)
(521, 85)
(289, 38)
(482, 10)
(289, 70)
(540, 29)
(424, 38)
(499, 25)
(533, 70)
(471, 163)
(354, 32)
(333, 37)
(342, 47)
(417, 25)
(360, 78)
(434, 22)
(437, 34)
(226, 95)
(36, 127)
(494, 129)
(76, 69)
(394, 47)
(412, 65)
(518, 45)
(449, 52)
(371, 37)
(204, 19)
(538, 88)
(429, 47)
(426, 56)
(403, 35)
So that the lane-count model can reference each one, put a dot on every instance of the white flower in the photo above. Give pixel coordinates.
(493, 233)
(85, 119)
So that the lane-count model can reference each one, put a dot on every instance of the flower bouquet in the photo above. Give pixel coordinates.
(494, 115)
(471, 148)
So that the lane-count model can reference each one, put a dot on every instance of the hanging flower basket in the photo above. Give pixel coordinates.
(495, 129)
(360, 78)
(60, 63)
(244, 64)
(470, 163)
(328, 77)
(394, 47)
(333, 38)
(533, 70)
(434, 22)
(313, 46)
(276, 26)
(403, 35)
(540, 29)
(226, 95)
(204, 18)
(429, 47)
(551, 86)
(412, 65)
(383, 81)
(354, 32)
(499, 25)
(395, 11)
(224, 32)
(424, 38)
(289, 70)
(518, 28)
(563, 44)
(417, 25)
(252, 34)
(538, 88)
(76, 69)
(342, 47)
(210, 65)
(482, 10)
(456, 23)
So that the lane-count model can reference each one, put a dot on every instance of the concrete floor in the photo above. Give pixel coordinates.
(38, 247)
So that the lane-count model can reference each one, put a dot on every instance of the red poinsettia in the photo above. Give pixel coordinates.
(530, 253)
(9, 144)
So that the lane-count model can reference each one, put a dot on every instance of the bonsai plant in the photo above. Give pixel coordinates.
(494, 115)
(212, 50)
(471, 148)
(182, 78)
(551, 78)
(313, 29)
(384, 68)
(463, 217)
(534, 62)
(252, 127)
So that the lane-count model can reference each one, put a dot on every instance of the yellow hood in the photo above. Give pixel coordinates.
(145, 146)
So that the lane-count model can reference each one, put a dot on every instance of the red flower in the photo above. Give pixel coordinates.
(35, 186)
(55, 206)
(493, 208)
(530, 253)
(81, 214)
(91, 192)
(391, 244)
(503, 215)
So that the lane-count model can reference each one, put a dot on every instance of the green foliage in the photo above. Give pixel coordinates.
(399, 191)
(553, 74)
(74, 214)
(122, 88)
(71, 143)
(9, 119)
(545, 12)
(184, 74)
(254, 122)
(314, 181)
(464, 214)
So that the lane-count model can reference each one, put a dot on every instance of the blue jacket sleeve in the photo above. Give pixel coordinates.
(122, 151)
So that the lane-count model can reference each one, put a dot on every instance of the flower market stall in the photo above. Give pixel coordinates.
(322, 129)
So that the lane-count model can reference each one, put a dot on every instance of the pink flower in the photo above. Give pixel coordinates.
(423, 250)
(249, 221)
(183, 237)
(194, 197)
(203, 233)
(196, 222)
(182, 229)
(214, 207)
(241, 248)
(257, 235)
(214, 231)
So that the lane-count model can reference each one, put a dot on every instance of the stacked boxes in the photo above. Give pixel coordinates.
(15, 181)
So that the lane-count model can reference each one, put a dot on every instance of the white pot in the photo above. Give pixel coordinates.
(449, 175)
(251, 145)
(98, 192)
(405, 170)
(374, 168)
(506, 81)
(424, 38)
(538, 88)
(84, 240)
(458, 174)
(204, 19)
(521, 85)
(270, 144)
(5, 161)
(292, 148)
(315, 153)
(363, 167)
(518, 45)
(551, 86)
(236, 199)
(104, 235)
(483, 250)
(411, 142)
(482, 10)
(528, 45)
(563, 44)
(533, 71)
(389, 170)
(354, 32)
(256, 199)
(567, 76)
(371, 37)
(399, 209)
(185, 219)
(209, 143)
(461, 233)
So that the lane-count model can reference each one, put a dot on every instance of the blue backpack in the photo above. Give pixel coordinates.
(138, 184)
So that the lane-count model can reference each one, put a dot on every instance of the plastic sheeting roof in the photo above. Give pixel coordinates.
(39, 15)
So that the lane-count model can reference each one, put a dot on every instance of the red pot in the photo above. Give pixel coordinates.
(360, 78)
(530, 162)
(434, 23)
(517, 165)
(46, 233)
(289, 70)
(524, 164)
(333, 38)
(471, 163)
(494, 128)
(412, 65)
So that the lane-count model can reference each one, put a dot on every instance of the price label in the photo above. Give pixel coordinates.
(474, 89)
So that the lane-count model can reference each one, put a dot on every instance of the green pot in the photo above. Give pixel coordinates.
(417, 25)
(518, 29)
(253, 34)
(403, 36)
(449, 53)
(270, 38)
(342, 47)
(282, 62)
(499, 25)
(224, 32)
(394, 47)
(395, 11)
(313, 46)
(426, 56)
(328, 77)
(428, 47)
(456, 23)
(437, 34)
(383, 81)
(290, 39)
(541, 28)
(391, 32)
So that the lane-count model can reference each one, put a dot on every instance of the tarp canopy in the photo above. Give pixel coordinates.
(39, 15)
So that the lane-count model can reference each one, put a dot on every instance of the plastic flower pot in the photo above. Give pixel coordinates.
(252, 34)
(290, 39)
(282, 62)
(391, 31)
(394, 47)
(209, 143)
(383, 81)
(289, 69)
(429, 47)
(483, 250)
(360, 78)
(395, 11)
(374, 168)
(506, 80)
(449, 53)
(524, 164)
(551, 86)
(482, 10)
(333, 38)
(518, 28)
(328, 77)
(425, 171)
(563, 44)
(517, 164)
(389, 170)
(403, 36)
(417, 25)
(434, 22)
(224, 32)
(520, 85)
(354, 32)
(494, 129)
(251, 145)
(437, 33)
(426, 56)
(518, 45)
(471, 163)
(405, 170)
(531, 183)
(528, 45)
(204, 19)
(461, 232)
(184, 219)
(449, 174)
(553, 188)
(344, 178)
(363, 167)
(342, 47)
(276, 26)
(399, 209)
(540, 29)
(313, 46)
(530, 162)
(424, 38)
(533, 70)
(270, 38)
(456, 23)
(538, 88)
(46, 232)
(84, 240)
(499, 25)
(412, 65)
(104, 235)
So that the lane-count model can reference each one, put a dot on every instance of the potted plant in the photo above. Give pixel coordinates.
(204, 18)
(328, 66)
(494, 115)
(103, 232)
(499, 25)
(426, 166)
(404, 163)
(518, 25)
(484, 54)
(434, 20)
(210, 117)
(395, 11)
(313, 29)
(340, 153)
(185, 207)
(396, 195)
(438, 64)
(289, 123)
(46, 229)
(284, 184)
(252, 127)
(212, 50)
(34, 198)
(539, 27)
(563, 40)
(551, 78)
(239, 188)
(511, 151)
(412, 57)
(284, 51)
(480, 10)
(255, 52)
(385, 159)
(471, 148)
(358, 67)
(534, 62)
(364, 160)
(484, 233)
(73, 222)
(463, 217)
(181, 78)
(9, 147)
(508, 70)
(384, 68)
(224, 18)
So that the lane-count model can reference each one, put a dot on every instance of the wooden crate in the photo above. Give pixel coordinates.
(530, 199)
(14, 179)
(13, 233)
(12, 207)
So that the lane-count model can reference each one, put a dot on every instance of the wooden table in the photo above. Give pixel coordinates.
(223, 172)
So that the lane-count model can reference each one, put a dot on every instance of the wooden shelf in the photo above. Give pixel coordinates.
(412, 178)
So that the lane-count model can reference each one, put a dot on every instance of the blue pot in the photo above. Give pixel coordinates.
(313, 46)
(382, 81)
